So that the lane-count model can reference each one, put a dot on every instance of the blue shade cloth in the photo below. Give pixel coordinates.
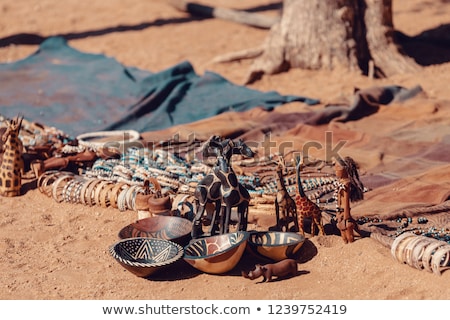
(79, 92)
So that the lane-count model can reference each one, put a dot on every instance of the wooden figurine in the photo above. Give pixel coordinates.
(350, 189)
(285, 207)
(306, 208)
(12, 167)
(282, 269)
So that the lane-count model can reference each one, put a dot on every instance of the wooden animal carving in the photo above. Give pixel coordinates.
(12, 167)
(234, 194)
(282, 269)
(285, 207)
(222, 187)
(207, 191)
(307, 208)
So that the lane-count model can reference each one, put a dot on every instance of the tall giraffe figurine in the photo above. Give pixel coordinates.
(210, 188)
(234, 194)
(307, 208)
(12, 166)
(207, 191)
(285, 207)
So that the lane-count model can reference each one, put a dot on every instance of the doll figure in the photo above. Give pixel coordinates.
(350, 189)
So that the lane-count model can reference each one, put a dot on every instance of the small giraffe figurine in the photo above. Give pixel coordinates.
(306, 208)
(285, 207)
(12, 167)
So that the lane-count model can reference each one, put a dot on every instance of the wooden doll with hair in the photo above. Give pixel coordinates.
(350, 189)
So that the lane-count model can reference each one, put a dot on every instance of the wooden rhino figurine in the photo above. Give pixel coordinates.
(283, 268)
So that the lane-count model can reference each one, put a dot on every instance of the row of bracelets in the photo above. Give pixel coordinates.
(67, 187)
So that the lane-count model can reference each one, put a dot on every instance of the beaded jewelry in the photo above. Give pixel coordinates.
(89, 195)
(98, 189)
(129, 196)
(121, 199)
(67, 190)
(120, 171)
(44, 179)
(83, 190)
(114, 194)
(57, 189)
(77, 192)
(105, 195)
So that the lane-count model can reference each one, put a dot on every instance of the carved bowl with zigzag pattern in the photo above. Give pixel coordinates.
(145, 256)
(275, 245)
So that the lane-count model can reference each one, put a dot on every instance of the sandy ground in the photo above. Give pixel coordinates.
(59, 251)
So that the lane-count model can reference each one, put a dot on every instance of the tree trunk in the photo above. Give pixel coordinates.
(317, 34)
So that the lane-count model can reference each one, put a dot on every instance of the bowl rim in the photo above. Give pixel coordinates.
(301, 238)
(157, 217)
(180, 252)
(163, 217)
(244, 240)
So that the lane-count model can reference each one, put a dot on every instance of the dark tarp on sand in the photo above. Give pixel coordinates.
(78, 92)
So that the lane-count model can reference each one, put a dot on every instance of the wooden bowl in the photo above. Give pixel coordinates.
(216, 254)
(171, 228)
(275, 245)
(145, 256)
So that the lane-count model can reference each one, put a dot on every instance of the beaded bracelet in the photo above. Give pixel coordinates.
(121, 171)
(410, 256)
(105, 194)
(44, 179)
(67, 190)
(83, 190)
(114, 194)
(72, 194)
(129, 195)
(440, 259)
(121, 199)
(75, 197)
(417, 251)
(89, 195)
(98, 189)
(57, 188)
(429, 252)
(41, 178)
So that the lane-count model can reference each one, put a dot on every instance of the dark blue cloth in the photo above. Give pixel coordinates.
(79, 92)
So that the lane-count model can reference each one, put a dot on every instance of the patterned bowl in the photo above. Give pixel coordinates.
(171, 228)
(275, 245)
(145, 256)
(216, 254)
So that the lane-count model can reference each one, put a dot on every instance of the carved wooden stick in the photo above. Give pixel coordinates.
(247, 18)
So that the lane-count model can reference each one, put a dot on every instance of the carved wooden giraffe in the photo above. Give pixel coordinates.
(285, 206)
(208, 190)
(307, 208)
(222, 183)
(12, 167)
(234, 194)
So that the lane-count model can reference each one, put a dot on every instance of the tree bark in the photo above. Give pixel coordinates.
(318, 34)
